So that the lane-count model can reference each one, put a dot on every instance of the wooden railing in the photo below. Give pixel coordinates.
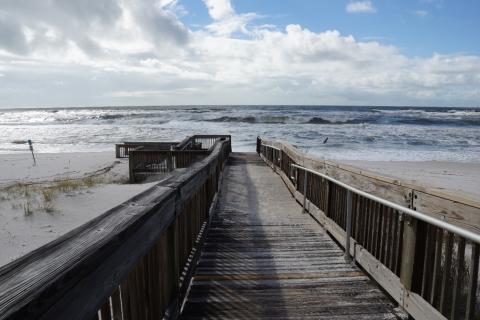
(123, 150)
(195, 142)
(132, 262)
(200, 142)
(149, 161)
(144, 163)
(420, 245)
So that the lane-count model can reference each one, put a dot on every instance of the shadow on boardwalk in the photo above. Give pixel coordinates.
(263, 258)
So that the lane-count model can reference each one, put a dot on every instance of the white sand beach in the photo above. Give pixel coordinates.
(457, 178)
(63, 191)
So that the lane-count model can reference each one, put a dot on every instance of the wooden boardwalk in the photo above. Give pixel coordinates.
(263, 258)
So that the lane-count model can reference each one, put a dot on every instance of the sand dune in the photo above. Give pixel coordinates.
(79, 187)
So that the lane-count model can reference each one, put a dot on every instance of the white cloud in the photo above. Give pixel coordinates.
(421, 13)
(139, 52)
(361, 7)
(234, 23)
(219, 9)
(226, 20)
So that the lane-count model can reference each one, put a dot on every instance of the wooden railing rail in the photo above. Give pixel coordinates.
(132, 262)
(200, 142)
(148, 161)
(144, 163)
(123, 150)
(428, 265)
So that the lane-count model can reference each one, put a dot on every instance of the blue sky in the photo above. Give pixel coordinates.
(159, 52)
(416, 27)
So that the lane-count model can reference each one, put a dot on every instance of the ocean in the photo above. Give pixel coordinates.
(354, 133)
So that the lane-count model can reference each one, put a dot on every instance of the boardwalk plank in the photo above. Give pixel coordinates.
(264, 259)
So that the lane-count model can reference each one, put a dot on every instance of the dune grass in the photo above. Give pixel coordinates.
(32, 197)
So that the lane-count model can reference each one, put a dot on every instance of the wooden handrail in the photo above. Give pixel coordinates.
(146, 162)
(106, 264)
(189, 141)
(122, 150)
(465, 233)
(411, 258)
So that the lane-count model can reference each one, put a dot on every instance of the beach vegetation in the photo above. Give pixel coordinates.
(27, 208)
(47, 200)
(41, 196)
(90, 181)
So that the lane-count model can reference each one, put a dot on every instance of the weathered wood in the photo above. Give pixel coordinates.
(436, 266)
(262, 258)
(61, 279)
(416, 305)
(446, 273)
(105, 310)
(428, 261)
(472, 283)
(461, 214)
(458, 210)
(389, 281)
(457, 282)
(116, 305)
(150, 159)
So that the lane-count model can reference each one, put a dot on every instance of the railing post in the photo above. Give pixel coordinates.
(414, 237)
(280, 158)
(169, 161)
(408, 252)
(296, 179)
(176, 265)
(305, 181)
(131, 163)
(348, 227)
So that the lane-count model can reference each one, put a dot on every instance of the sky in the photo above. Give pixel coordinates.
(69, 53)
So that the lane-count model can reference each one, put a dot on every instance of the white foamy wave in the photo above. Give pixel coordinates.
(355, 133)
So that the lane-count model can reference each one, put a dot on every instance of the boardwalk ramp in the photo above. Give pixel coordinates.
(263, 258)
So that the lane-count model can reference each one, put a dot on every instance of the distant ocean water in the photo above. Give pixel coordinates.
(354, 133)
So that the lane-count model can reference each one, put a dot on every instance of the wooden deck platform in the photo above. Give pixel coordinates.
(263, 258)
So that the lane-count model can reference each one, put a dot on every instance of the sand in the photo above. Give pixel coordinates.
(96, 183)
(21, 231)
(50, 166)
(462, 179)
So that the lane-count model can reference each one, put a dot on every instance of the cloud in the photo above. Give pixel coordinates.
(226, 20)
(90, 27)
(158, 24)
(360, 7)
(13, 38)
(219, 9)
(135, 52)
(421, 13)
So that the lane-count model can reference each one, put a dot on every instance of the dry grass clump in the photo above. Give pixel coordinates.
(47, 203)
(32, 197)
